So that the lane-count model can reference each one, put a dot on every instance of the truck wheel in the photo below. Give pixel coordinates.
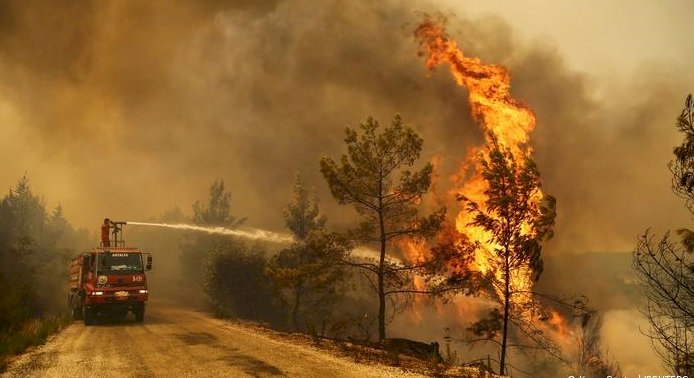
(88, 315)
(140, 314)
(75, 305)
(76, 313)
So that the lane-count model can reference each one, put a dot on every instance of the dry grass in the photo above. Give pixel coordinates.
(370, 353)
(32, 332)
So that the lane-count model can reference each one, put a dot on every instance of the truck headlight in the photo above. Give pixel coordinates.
(97, 293)
(144, 291)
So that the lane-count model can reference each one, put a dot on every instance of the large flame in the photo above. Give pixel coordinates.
(510, 123)
(499, 116)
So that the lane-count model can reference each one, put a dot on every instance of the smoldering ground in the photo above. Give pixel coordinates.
(126, 109)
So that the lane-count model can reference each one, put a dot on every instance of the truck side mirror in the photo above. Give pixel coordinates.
(149, 263)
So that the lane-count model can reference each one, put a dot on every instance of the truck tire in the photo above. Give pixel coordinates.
(88, 315)
(76, 313)
(75, 305)
(139, 313)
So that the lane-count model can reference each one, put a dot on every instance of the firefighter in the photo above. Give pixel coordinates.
(105, 230)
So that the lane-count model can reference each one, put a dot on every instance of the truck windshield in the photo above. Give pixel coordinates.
(120, 262)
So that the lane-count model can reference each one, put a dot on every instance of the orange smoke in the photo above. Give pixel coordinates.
(499, 116)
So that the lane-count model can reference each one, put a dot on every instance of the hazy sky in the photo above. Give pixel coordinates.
(126, 109)
(603, 37)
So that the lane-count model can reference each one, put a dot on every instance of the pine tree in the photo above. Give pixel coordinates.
(309, 269)
(517, 224)
(196, 249)
(375, 178)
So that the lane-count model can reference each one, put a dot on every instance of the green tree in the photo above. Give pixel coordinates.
(23, 213)
(308, 270)
(517, 224)
(197, 248)
(56, 225)
(33, 255)
(312, 273)
(302, 215)
(666, 268)
(374, 177)
(237, 284)
(22, 218)
(217, 212)
(682, 167)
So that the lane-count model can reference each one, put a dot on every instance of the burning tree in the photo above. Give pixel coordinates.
(515, 220)
(375, 179)
(506, 215)
(666, 268)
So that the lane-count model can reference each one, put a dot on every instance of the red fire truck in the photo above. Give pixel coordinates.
(109, 280)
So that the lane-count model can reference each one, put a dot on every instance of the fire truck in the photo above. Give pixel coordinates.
(109, 280)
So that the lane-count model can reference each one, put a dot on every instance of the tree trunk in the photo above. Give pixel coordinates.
(297, 304)
(381, 308)
(381, 273)
(507, 305)
(381, 289)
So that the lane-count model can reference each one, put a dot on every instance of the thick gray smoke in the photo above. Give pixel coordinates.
(130, 108)
(126, 109)
(136, 107)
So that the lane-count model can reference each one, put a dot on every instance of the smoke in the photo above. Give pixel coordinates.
(145, 106)
(623, 327)
(126, 109)
(136, 107)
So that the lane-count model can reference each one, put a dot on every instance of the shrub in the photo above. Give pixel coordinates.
(237, 285)
(32, 332)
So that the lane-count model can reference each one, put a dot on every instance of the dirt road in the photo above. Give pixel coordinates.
(176, 342)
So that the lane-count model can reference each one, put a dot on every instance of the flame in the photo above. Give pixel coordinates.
(558, 329)
(510, 123)
(558, 322)
(415, 251)
(499, 116)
